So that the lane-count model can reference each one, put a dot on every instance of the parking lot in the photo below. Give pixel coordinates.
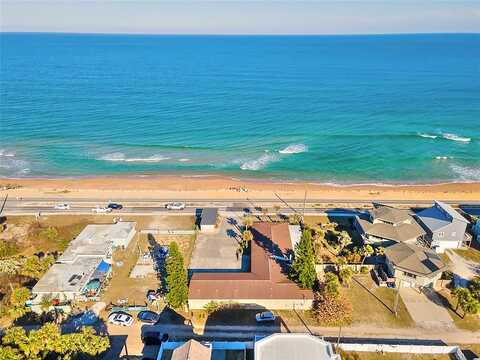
(217, 250)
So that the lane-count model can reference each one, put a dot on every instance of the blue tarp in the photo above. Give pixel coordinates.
(103, 267)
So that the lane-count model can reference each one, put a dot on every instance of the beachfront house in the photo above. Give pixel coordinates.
(266, 285)
(80, 272)
(386, 226)
(445, 227)
(290, 346)
(195, 350)
(413, 266)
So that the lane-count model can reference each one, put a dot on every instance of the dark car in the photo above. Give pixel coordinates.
(115, 206)
(154, 338)
(149, 317)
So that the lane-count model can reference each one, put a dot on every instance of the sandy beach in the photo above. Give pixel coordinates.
(214, 187)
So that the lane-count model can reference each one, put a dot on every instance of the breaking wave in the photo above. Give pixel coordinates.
(259, 163)
(11, 165)
(455, 137)
(428, 136)
(466, 173)
(118, 156)
(294, 149)
(443, 157)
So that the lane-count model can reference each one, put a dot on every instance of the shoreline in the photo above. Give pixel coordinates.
(222, 187)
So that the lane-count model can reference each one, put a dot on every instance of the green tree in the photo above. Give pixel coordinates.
(9, 353)
(332, 285)
(45, 302)
(379, 251)
(177, 280)
(303, 268)
(17, 300)
(474, 287)
(48, 342)
(367, 250)
(35, 267)
(341, 262)
(344, 239)
(346, 276)
(466, 301)
(247, 236)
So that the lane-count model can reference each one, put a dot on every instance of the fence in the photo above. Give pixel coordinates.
(406, 349)
(168, 232)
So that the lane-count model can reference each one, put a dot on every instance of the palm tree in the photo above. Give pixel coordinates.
(248, 221)
(247, 236)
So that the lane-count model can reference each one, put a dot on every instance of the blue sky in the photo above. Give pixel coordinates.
(241, 17)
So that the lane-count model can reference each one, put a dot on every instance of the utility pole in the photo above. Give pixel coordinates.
(338, 338)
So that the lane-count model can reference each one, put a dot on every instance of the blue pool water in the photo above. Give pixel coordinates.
(342, 109)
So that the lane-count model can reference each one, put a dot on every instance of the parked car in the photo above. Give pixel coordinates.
(101, 210)
(265, 316)
(115, 206)
(62, 207)
(149, 317)
(175, 206)
(120, 318)
(154, 338)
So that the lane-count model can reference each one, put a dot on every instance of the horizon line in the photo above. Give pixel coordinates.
(237, 34)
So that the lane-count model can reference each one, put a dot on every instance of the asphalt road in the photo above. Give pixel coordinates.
(19, 206)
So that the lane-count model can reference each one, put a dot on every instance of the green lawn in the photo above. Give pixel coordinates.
(469, 322)
(469, 254)
(373, 305)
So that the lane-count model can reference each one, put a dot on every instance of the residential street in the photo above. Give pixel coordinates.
(435, 335)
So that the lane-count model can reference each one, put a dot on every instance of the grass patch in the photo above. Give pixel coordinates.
(373, 305)
(469, 254)
(469, 322)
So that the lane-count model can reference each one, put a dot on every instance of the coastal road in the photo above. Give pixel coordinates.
(29, 206)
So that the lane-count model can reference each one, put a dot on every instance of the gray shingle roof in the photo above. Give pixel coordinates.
(415, 259)
(439, 216)
(209, 216)
(390, 214)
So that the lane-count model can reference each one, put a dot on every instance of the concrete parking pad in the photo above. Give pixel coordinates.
(426, 308)
(217, 250)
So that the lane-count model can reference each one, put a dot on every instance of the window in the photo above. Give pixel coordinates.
(441, 234)
(410, 275)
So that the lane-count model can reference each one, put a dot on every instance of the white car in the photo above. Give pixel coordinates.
(265, 316)
(100, 210)
(118, 318)
(62, 207)
(175, 206)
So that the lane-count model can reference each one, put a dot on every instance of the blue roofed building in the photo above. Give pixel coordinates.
(445, 227)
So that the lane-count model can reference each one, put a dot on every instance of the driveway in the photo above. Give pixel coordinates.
(463, 270)
(217, 250)
(426, 308)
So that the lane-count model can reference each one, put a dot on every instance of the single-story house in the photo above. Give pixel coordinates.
(387, 225)
(291, 346)
(68, 281)
(266, 285)
(99, 240)
(445, 227)
(83, 267)
(413, 266)
(208, 220)
(192, 349)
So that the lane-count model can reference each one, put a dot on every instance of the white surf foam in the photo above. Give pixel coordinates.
(428, 136)
(118, 156)
(443, 157)
(294, 149)
(455, 137)
(259, 163)
(183, 159)
(466, 173)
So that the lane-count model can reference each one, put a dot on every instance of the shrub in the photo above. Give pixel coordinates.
(364, 270)
(331, 310)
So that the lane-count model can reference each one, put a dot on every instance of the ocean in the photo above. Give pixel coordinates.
(326, 109)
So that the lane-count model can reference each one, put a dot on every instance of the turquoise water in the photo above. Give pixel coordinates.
(342, 109)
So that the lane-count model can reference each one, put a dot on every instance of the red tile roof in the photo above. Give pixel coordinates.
(266, 280)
